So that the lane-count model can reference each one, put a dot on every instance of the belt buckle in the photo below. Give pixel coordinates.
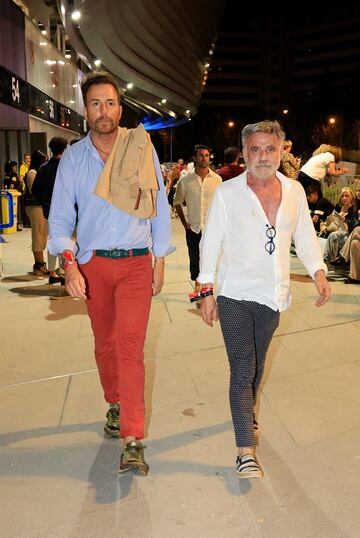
(115, 254)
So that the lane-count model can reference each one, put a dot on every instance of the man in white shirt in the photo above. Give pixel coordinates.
(251, 222)
(196, 189)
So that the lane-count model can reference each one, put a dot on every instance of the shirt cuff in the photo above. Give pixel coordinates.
(205, 278)
(160, 251)
(57, 245)
(312, 270)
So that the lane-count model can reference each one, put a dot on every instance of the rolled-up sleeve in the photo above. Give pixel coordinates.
(161, 225)
(62, 217)
(179, 197)
(212, 239)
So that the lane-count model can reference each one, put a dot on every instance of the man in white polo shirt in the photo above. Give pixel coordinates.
(251, 222)
(196, 189)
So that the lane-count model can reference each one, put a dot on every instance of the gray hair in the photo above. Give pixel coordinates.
(266, 126)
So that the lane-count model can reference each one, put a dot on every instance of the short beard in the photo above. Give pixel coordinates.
(265, 172)
(111, 127)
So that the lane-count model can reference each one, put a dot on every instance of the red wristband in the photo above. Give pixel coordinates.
(70, 262)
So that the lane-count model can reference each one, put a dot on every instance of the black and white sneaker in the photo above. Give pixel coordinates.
(247, 466)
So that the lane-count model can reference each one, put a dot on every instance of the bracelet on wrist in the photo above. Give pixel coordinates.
(67, 258)
(197, 295)
(68, 263)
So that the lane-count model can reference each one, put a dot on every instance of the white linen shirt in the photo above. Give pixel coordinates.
(236, 230)
(198, 195)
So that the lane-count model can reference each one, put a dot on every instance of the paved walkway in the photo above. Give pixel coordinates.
(58, 475)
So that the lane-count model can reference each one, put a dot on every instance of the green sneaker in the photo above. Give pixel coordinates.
(132, 458)
(112, 426)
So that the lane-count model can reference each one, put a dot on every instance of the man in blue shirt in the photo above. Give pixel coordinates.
(114, 271)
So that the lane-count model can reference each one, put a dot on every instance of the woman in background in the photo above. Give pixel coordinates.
(322, 162)
(289, 165)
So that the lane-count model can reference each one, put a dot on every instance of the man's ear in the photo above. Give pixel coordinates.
(85, 112)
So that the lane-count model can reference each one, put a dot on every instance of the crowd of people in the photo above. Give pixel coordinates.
(108, 220)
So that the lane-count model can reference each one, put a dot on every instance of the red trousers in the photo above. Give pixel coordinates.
(119, 298)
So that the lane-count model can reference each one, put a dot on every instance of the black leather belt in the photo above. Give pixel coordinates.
(116, 254)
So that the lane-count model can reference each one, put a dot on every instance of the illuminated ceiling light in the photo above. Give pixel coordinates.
(187, 111)
(62, 9)
(207, 65)
(129, 85)
(43, 43)
(61, 62)
(43, 32)
(211, 52)
(75, 15)
(285, 111)
(332, 121)
(231, 124)
(172, 114)
(68, 56)
(163, 101)
(97, 63)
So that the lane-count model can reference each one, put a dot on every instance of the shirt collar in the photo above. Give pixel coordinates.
(285, 182)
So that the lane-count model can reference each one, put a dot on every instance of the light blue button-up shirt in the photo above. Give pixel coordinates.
(100, 225)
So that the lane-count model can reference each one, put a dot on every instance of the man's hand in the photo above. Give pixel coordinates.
(74, 282)
(158, 276)
(323, 287)
(209, 310)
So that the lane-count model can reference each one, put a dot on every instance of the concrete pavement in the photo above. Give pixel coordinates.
(58, 475)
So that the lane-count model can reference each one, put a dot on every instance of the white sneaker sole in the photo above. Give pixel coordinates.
(250, 474)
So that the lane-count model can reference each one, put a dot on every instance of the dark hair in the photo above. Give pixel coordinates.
(230, 154)
(198, 147)
(98, 77)
(57, 145)
(73, 141)
(37, 159)
(310, 189)
(8, 166)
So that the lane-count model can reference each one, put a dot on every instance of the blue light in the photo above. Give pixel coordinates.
(157, 123)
